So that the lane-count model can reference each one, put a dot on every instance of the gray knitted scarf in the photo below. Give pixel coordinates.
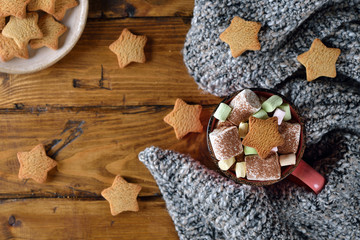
(205, 205)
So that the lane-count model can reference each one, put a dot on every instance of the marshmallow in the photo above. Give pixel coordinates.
(271, 103)
(291, 134)
(249, 150)
(222, 112)
(286, 160)
(240, 169)
(286, 107)
(226, 142)
(261, 114)
(280, 114)
(244, 105)
(243, 129)
(226, 164)
(263, 169)
(227, 123)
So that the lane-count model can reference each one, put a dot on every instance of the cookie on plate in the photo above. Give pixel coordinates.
(44, 5)
(23, 30)
(9, 49)
(15, 8)
(61, 6)
(51, 30)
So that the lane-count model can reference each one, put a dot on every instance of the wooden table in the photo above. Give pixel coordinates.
(94, 119)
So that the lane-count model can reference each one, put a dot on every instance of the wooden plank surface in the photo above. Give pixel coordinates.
(94, 119)
(140, 8)
(89, 75)
(91, 147)
(42, 219)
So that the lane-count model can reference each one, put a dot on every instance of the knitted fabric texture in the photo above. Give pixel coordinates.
(288, 29)
(205, 205)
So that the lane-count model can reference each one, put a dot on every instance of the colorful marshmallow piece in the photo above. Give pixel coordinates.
(226, 164)
(286, 107)
(243, 105)
(271, 103)
(280, 114)
(222, 112)
(227, 123)
(261, 114)
(291, 133)
(249, 150)
(226, 142)
(275, 149)
(287, 160)
(243, 129)
(261, 169)
(240, 169)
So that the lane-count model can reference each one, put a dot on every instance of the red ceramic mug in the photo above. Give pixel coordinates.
(301, 172)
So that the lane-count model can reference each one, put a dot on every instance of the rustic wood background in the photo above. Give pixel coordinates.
(94, 119)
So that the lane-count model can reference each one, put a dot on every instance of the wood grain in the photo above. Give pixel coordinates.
(73, 219)
(140, 8)
(117, 120)
(91, 147)
(94, 119)
(89, 75)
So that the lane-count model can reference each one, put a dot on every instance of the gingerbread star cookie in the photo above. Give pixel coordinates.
(241, 35)
(15, 8)
(122, 196)
(2, 22)
(51, 30)
(61, 6)
(23, 30)
(263, 135)
(9, 49)
(129, 48)
(319, 60)
(184, 118)
(45, 5)
(35, 164)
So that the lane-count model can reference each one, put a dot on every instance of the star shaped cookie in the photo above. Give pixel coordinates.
(263, 135)
(51, 30)
(9, 49)
(122, 196)
(15, 8)
(45, 5)
(61, 6)
(2, 22)
(241, 35)
(184, 118)
(319, 60)
(35, 164)
(23, 30)
(129, 48)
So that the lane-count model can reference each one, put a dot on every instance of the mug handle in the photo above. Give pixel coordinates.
(308, 176)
